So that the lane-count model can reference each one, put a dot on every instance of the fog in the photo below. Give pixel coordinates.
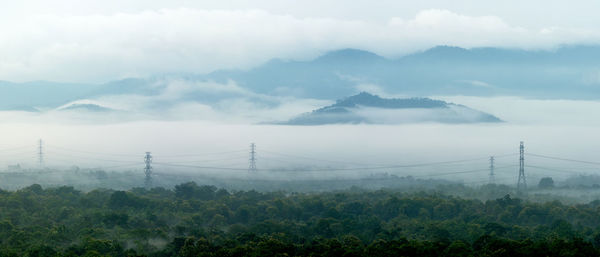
(216, 146)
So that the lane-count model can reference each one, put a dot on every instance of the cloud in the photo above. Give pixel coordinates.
(591, 78)
(186, 40)
(371, 88)
(178, 99)
(448, 28)
(523, 111)
(477, 83)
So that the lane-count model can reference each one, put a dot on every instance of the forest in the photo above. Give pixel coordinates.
(203, 220)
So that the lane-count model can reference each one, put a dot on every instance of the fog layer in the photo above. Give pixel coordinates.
(567, 129)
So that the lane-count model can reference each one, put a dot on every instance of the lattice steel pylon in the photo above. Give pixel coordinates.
(492, 175)
(148, 170)
(522, 182)
(252, 164)
(41, 153)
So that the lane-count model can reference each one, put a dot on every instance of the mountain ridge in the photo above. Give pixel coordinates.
(566, 72)
(571, 72)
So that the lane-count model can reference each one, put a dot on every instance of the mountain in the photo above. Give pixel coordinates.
(132, 86)
(372, 109)
(566, 72)
(86, 107)
(330, 76)
(571, 72)
(347, 56)
(29, 96)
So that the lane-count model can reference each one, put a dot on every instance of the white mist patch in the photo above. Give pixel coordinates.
(178, 100)
(452, 114)
(534, 111)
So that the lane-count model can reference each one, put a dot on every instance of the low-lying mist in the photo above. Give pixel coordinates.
(190, 138)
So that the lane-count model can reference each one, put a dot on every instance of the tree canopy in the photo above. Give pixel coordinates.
(198, 220)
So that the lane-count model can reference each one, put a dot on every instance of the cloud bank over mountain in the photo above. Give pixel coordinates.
(104, 47)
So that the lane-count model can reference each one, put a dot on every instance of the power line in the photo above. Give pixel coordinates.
(69, 160)
(550, 169)
(86, 173)
(29, 152)
(202, 154)
(120, 166)
(398, 166)
(418, 176)
(90, 158)
(505, 155)
(483, 181)
(315, 170)
(281, 160)
(199, 167)
(216, 160)
(388, 167)
(460, 172)
(311, 158)
(275, 153)
(88, 152)
(563, 159)
(364, 164)
(16, 148)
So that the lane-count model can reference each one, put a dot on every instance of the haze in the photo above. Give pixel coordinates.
(199, 81)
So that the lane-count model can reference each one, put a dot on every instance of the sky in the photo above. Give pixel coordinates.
(99, 41)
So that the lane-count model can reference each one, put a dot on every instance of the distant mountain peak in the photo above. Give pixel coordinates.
(445, 51)
(350, 54)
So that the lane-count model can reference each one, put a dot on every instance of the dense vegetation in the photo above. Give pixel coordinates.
(193, 220)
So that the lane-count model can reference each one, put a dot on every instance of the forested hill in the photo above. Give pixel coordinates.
(369, 100)
(194, 220)
(369, 108)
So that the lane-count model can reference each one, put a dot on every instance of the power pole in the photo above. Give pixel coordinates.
(41, 153)
(252, 166)
(492, 175)
(148, 170)
(522, 182)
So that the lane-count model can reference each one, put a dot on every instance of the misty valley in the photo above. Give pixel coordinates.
(364, 175)
(277, 128)
(421, 189)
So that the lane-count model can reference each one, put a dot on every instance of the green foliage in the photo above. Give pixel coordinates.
(546, 183)
(194, 220)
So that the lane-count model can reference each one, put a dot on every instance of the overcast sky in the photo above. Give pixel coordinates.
(84, 41)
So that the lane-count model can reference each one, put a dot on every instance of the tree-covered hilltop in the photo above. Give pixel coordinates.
(192, 220)
(369, 100)
(372, 109)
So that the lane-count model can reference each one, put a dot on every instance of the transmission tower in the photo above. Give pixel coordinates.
(492, 175)
(41, 153)
(522, 182)
(252, 166)
(148, 170)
